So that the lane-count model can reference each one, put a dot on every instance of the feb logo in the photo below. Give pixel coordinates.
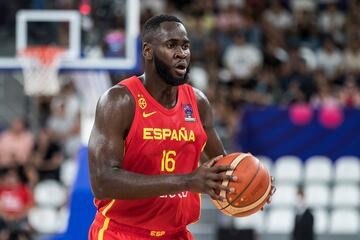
(188, 113)
(142, 102)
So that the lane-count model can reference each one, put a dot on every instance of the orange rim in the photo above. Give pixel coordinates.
(45, 54)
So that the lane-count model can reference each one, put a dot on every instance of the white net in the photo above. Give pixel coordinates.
(40, 67)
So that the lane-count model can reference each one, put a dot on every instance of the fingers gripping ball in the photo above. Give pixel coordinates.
(252, 189)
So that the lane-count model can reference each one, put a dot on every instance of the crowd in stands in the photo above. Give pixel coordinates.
(276, 52)
(27, 159)
(244, 52)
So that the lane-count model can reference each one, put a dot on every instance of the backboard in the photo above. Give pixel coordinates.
(92, 42)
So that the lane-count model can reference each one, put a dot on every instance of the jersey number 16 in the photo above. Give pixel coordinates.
(168, 161)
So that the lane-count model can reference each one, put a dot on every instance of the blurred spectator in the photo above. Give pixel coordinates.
(47, 157)
(298, 6)
(293, 94)
(16, 144)
(64, 123)
(331, 21)
(199, 78)
(227, 3)
(242, 60)
(352, 56)
(352, 20)
(200, 17)
(329, 58)
(304, 33)
(212, 61)
(170, 9)
(350, 93)
(198, 40)
(274, 54)
(225, 116)
(278, 16)
(296, 70)
(156, 6)
(304, 220)
(229, 19)
(64, 130)
(15, 199)
(325, 96)
(267, 89)
(253, 32)
(145, 15)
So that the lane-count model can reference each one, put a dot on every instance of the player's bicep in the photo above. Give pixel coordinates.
(214, 146)
(105, 151)
(106, 144)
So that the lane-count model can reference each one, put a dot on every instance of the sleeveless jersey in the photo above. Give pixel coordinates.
(160, 141)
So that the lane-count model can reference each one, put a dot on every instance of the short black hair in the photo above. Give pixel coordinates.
(153, 24)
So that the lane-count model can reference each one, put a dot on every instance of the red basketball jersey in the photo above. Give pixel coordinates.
(160, 141)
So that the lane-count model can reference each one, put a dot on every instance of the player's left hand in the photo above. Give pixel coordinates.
(272, 191)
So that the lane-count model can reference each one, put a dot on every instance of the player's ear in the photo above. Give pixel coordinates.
(147, 51)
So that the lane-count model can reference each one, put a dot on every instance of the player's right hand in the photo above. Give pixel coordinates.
(207, 179)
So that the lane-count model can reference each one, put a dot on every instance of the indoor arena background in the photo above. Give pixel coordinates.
(281, 75)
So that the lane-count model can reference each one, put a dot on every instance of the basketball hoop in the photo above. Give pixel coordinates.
(40, 65)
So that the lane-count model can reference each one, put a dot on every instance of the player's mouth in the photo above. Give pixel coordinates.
(180, 68)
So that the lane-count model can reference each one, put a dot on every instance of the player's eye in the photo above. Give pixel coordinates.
(171, 45)
(186, 46)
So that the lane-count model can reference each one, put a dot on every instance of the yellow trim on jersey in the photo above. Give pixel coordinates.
(107, 220)
(202, 149)
(108, 207)
(102, 230)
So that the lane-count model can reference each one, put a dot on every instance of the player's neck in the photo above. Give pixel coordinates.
(163, 93)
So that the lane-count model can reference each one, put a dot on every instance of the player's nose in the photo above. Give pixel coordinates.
(181, 53)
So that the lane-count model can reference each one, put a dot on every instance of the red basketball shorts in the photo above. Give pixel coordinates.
(107, 230)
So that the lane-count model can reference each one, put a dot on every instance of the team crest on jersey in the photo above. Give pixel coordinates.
(188, 113)
(142, 102)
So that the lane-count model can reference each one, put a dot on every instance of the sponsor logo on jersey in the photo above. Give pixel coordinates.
(179, 135)
(188, 113)
(146, 115)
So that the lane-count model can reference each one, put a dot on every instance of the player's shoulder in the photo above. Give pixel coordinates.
(204, 108)
(201, 98)
(116, 96)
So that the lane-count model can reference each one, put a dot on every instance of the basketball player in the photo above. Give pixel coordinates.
(144, 150)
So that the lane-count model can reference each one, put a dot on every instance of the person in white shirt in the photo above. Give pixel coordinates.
(278, 16)
(329, 58)
(242, 58)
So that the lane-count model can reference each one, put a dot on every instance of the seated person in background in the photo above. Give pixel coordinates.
(304, 220)
(47, 157)
(16, 144)
(16, 198)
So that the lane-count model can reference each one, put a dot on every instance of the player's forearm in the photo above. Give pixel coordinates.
(122, 184)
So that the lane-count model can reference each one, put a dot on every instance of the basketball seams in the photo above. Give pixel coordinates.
(236, 210)
(239, 195)
(260, 174)
(267, 190)
(235, 162)
(250, 182)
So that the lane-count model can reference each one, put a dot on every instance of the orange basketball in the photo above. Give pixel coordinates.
(252, 188)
